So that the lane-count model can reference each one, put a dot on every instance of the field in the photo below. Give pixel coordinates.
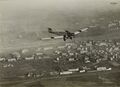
(89, 80)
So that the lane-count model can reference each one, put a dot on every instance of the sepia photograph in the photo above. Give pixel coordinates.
(59, 43)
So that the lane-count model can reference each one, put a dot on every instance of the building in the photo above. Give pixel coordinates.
(2, 59)
(8, 65)
(65, 72)
(12, 60)
(48, 48)
(29, 58)
(73, 70)
(101, 68)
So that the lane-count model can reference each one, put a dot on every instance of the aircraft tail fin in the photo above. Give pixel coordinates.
(50, 30)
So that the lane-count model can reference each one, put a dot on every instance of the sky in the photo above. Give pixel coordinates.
(18, 16)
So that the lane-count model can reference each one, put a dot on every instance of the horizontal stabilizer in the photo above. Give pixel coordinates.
(50, 30)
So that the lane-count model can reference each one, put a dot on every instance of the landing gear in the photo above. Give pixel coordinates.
(70, 38)
(64, 37)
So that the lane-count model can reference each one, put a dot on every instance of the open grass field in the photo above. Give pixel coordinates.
(89, 80)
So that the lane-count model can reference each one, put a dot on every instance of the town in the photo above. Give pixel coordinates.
(70, 58)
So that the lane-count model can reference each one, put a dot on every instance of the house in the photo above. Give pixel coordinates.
(57, 52)
(82, 71)
(103, 44)
(64, 54)
(16, 55)
(65, 72)
(88, 44)
(111, 25)
(57, 58)
(87, 60)
(67, 44)
(79, 48)
(71, 59)
(54, 73)
(12, 60)
(73, 70)
(8, 65)
(109, 69)
(48, 48)
(61, 47)
(24, 51)
(39, 54)
(71, 54)
(101, 68)
(29, 74)
(2, 59)
(29, 58)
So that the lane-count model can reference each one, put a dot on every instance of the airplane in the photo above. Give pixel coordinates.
(64, 35)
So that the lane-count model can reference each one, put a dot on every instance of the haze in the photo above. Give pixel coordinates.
(17, 16)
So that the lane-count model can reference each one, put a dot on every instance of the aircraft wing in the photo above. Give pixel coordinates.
(79, 31)
(49, 38)
(61, 34)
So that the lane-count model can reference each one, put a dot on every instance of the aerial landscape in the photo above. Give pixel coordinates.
(59, 43)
